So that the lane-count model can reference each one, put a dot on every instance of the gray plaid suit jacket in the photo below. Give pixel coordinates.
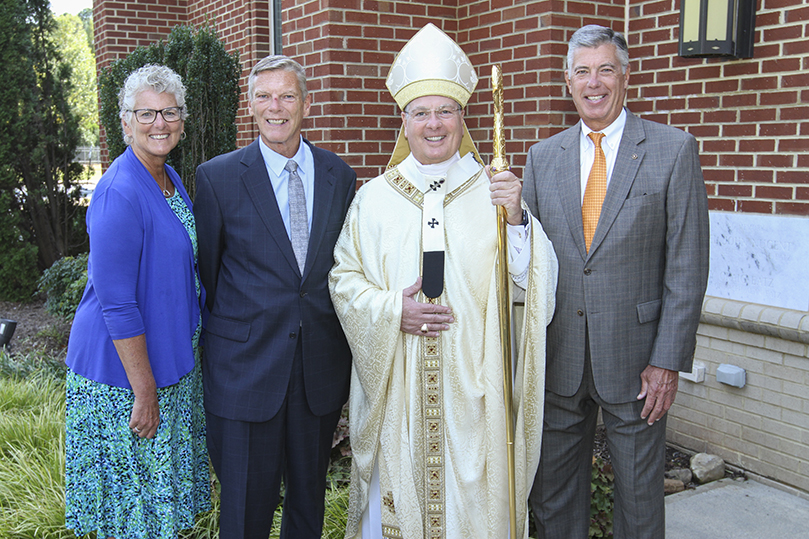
(639, 290)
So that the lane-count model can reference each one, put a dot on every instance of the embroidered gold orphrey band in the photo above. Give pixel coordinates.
(433, 425)
(412, 193)
(433, 405)
(390, 532)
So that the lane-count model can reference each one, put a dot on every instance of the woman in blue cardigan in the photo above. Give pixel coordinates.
(136, 461)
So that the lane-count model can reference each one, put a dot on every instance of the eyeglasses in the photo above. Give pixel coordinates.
(442, 113)
(148, 116)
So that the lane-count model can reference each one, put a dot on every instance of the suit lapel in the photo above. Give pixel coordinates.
(569, 185)
(623, 176)
(257, 182)
(324, 193)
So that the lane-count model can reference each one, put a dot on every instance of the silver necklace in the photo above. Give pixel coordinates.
(165, 190)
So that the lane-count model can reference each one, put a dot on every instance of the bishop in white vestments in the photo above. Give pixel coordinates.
(414, 285)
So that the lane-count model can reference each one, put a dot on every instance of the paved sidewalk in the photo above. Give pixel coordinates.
(730, 509)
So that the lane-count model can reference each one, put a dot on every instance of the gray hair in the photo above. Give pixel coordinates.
(276, 62)
(592, 36)
(157, 78)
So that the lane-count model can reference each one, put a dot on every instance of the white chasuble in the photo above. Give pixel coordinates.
(429, 412)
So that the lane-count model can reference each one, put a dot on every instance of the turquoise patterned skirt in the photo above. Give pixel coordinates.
(128, 487)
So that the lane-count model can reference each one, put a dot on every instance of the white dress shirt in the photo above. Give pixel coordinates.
(279, 178)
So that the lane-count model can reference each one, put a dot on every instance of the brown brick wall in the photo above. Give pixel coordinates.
(750, 116)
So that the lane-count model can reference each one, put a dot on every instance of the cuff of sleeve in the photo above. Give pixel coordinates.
(519, 253)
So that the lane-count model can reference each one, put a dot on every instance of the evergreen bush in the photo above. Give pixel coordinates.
(63, 285)
(210, 75)
(18, 264)
(41, 212)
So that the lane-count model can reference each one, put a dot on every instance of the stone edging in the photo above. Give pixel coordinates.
(753, 318)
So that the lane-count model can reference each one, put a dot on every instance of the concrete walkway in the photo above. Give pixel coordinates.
(730, 509)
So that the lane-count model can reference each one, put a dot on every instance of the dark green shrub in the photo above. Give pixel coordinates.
(210, 75)
(63, 285)
(41, 211)
(18, 271)
(602, 502)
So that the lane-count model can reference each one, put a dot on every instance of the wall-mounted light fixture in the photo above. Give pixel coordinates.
(717, 28)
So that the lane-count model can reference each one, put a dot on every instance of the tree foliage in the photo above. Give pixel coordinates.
(86, 17)
(70, 36)
(210, 75)
(41, 217)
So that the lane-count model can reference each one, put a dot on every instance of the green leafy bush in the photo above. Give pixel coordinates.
(19, 254)
(63, 284)
(211, 77)
(601, 503)
(18, 271)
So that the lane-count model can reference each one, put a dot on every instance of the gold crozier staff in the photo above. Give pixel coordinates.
(499, 164)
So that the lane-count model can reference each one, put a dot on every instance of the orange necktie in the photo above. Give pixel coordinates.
(595, 191)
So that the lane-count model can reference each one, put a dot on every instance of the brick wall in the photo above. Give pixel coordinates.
(750, 116)
(764, 426)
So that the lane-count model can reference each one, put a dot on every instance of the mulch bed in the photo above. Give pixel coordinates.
(36, 331)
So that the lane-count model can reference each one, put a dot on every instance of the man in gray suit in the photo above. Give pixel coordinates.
(626, 211)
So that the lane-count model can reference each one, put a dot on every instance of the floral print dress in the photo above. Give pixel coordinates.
(124, 486)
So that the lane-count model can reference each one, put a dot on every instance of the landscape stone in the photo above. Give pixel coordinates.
(707, 468)
(680, 474)
(672, 486)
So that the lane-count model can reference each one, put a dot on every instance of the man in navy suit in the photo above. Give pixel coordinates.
(623, 201)
(276, 363)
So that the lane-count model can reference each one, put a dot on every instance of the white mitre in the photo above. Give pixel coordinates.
(431, 63)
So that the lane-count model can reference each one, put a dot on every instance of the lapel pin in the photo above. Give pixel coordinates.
(634, 156)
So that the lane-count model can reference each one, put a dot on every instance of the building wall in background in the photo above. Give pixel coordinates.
(751, 118)
(762, 427)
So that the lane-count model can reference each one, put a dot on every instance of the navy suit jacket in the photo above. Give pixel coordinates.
(258, 301)
(638, 291)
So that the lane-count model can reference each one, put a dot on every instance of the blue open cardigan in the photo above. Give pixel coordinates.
(140, 279)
